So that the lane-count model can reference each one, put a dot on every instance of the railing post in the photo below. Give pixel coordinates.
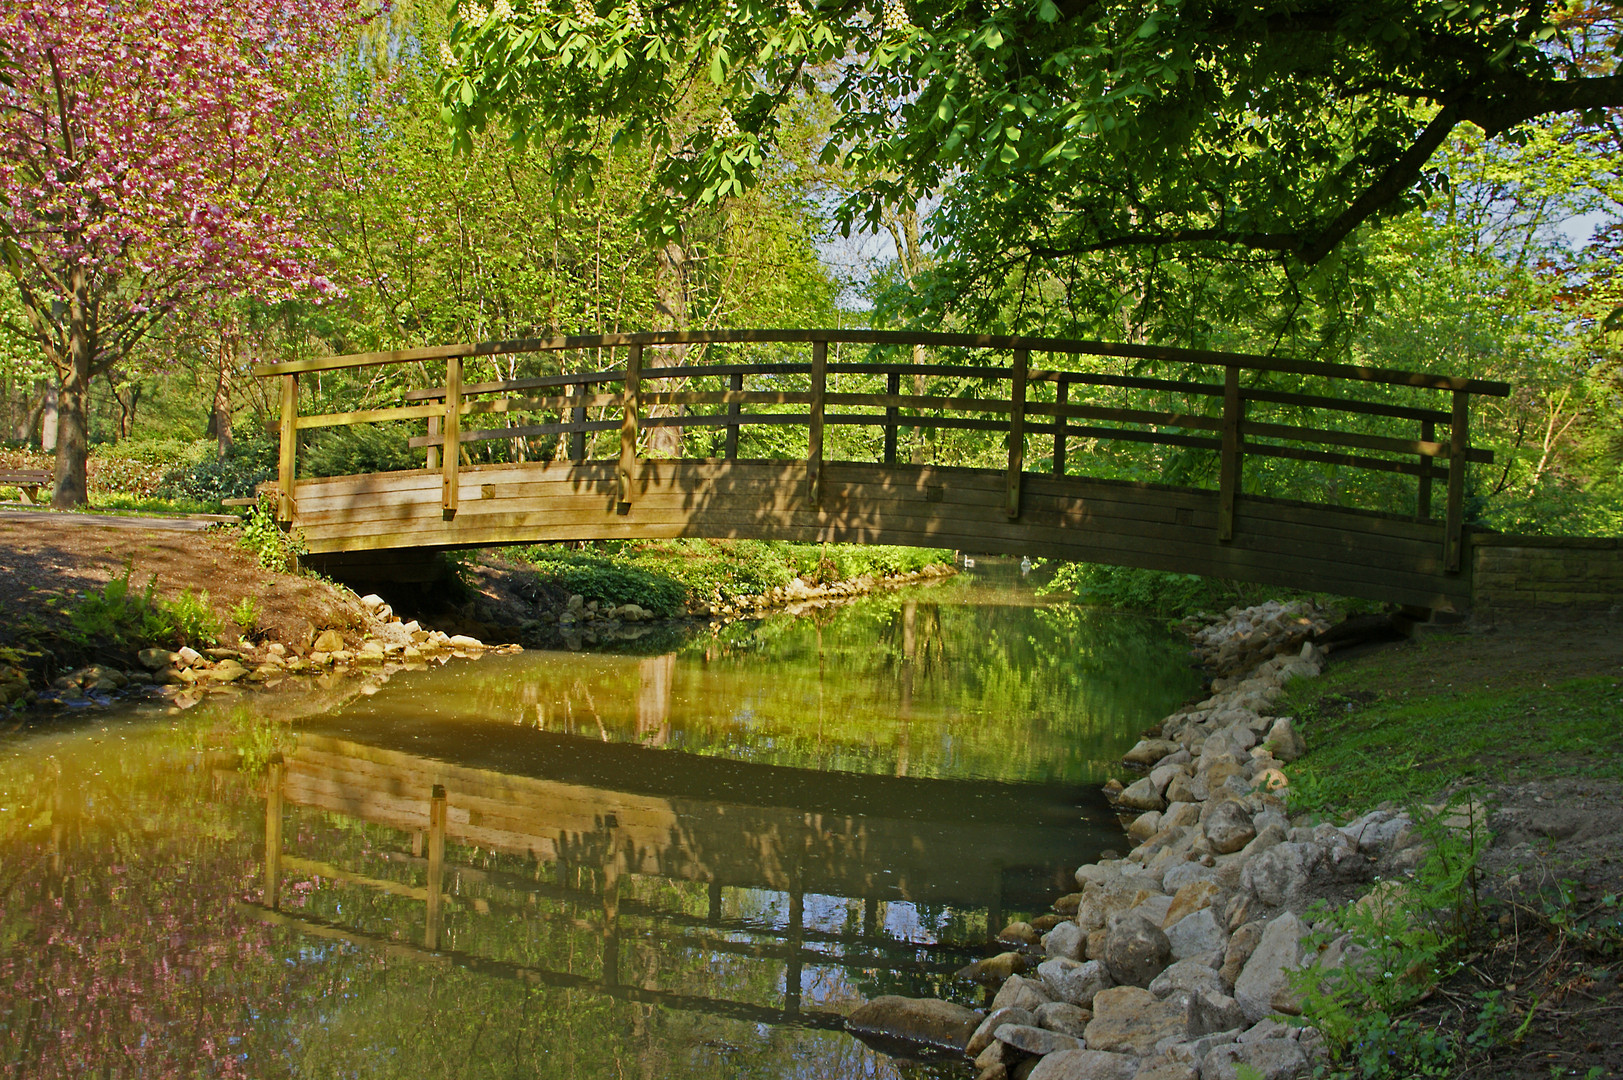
(577, 415)
(893, 387)
(814, 424)
(1062, 391)
(1230, 465)
(453, 437)
(735, 383)
(1459, 445)
(1017, 429)
(628, 424)
(287, 464)
(1422, 509)
(436, 866)
(433, 459)
(273, 830)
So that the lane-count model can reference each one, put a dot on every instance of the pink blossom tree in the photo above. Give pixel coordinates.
(148, 156)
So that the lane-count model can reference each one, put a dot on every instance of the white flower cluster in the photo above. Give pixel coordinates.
(796, 10)
(634, 22)
(586, 12)
(732, 9)
(502, 11)
(447, 57)
(970, 78)
(893, 17)
(727, 127)
(473, 13)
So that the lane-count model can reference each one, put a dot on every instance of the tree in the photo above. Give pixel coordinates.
(143, 145)
(1073, 126)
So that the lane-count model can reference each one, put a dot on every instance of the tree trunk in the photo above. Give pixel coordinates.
(72, 435)
(222, 395)
(31, 422)
(48, 419)
(670, 313)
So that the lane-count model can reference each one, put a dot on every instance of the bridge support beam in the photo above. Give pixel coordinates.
(286, 472)
(814, 424)
(1230, 463)
(453, 437)
(628, 426)
(1017, 429)
(1459, 442)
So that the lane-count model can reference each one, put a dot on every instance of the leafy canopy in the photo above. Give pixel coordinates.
(1275, 125)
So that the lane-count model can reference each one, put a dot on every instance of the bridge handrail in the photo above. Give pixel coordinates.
(997, 342)
(1230, 433)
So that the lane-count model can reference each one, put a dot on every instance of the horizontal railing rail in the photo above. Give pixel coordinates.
(1230, 418)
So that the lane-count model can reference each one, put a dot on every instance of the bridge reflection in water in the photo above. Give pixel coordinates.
(540, 855)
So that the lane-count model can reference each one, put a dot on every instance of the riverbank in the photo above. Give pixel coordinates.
(92, 612)
(1407, 867)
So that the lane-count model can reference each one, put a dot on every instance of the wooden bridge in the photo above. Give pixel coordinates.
(808, 450)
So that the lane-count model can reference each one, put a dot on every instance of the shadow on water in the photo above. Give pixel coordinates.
(593, 865)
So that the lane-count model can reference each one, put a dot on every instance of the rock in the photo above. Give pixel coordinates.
(372, 602)
(1064, 1017)
(1270, 780)
(1085, 1065)
(983, 1036)
(1279, 876)
(1271, 1059)
(1186, 976)
(1129, 1020)
(1136, 950)
(1180, 877)
(1066, 940)
(1196, 934)
(1191, 898)
(1149, 751)
(1167, 1070)
(1264, 983)
(1044, 923)
(1144, 826)
(1241, 944)
(921, 1020)
(1284, 741)
(1213, 1011)
(328, 641)
(1162, 775)
(1141, 795)
(1022, 993)
(227, 671)
(463, 641)
(1228, 827)
(994, 969)
(1074, 982)
(1036, 1040)
(1100, 902)
(1020, 933)
(1067, 904)
(156, 659)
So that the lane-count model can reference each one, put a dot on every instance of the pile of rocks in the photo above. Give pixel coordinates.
(1176, 962)
(799, 594)
(384, 644)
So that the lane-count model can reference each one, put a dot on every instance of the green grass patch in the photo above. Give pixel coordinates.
(1368, 747)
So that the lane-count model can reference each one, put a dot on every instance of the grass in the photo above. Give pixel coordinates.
(1371, 746)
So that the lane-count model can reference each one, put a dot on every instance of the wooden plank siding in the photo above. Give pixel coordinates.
(1274, 542)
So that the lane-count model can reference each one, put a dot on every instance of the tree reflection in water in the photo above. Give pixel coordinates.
(653, 880)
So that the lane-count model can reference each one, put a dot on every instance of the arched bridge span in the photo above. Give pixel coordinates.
(802, 435)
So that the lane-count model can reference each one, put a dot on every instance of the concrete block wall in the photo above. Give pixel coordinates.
(1532, 572)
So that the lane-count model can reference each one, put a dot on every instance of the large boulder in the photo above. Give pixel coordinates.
(986, 1032)
(1065, 940)
(1271, 1059)
(1073, 981)
(1136, 950)
(920, 1020)
(1129, 1020)
(1228, 827)
(1196, 935)
(1264, 985)
(1085, 1065)
(1022, 993)
(1036, 1040)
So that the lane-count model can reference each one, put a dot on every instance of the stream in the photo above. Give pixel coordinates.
(680, 863)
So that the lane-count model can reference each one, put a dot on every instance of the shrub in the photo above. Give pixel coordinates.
(122, 617)
(363, 448)
(272, 548)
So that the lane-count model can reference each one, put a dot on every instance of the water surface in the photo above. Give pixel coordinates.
(688, 863)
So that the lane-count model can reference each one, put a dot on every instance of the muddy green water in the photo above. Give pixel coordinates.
(681, 863)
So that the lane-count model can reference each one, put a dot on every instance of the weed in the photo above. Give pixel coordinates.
(245, 614)
(262, 535)
(1394, 946)
(193, 617)
(120, 616)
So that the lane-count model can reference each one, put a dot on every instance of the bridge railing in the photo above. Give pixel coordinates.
(1224, 407)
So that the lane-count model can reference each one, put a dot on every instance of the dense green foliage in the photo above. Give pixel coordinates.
(668, 576)
(116, 615)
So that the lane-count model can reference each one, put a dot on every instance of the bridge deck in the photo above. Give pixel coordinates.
(1275, 542)
(1225, 410)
